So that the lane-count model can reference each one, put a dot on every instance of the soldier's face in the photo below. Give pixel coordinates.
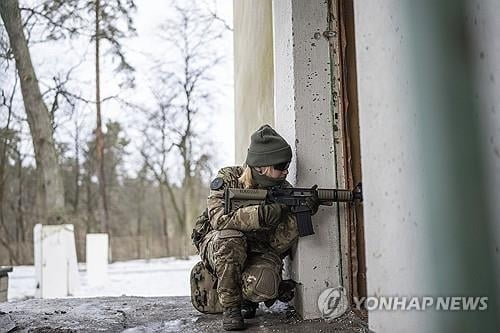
(271, 172)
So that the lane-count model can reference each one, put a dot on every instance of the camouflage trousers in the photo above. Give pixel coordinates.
(242, 272)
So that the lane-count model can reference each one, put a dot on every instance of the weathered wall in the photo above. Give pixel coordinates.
(253, 70)
(425, 213)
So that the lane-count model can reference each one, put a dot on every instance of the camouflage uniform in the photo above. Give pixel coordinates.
(246, 258)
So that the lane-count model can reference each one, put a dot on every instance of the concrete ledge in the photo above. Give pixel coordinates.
(4, 270)
(4, 282)
(153, 314)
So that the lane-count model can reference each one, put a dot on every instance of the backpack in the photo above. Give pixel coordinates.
(204, 295)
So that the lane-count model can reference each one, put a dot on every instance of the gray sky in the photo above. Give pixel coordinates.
(149, 17)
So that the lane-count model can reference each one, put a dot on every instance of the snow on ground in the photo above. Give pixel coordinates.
(153, 277)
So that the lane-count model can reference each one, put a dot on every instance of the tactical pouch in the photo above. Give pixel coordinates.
(204, 290)
(201, 228)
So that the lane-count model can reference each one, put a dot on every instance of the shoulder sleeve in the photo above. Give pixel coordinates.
(243, 219)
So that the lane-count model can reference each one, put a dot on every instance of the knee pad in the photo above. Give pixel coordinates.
(261, 277)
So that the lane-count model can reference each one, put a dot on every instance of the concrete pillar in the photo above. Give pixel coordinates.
(484, 25)
(97, 246)
(303, 116)
(56, 269)
(426, 221)
(253, 70)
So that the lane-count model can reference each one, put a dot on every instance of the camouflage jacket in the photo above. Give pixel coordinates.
(246, 219)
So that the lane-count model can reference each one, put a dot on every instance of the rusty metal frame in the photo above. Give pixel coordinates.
(347, 141)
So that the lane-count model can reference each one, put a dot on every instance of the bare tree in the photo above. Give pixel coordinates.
(183, 101)
(194, 35)
(140, 196)
(112, 34)
(214, 13)
(162, 199)
(50, 187)
(19, 208)
(155, 151)
(110, 23)
(76, 133)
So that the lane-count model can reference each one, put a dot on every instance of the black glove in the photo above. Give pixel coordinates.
(270, 215)
(313, 202)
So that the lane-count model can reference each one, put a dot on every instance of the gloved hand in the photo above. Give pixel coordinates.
(270, 215)
(313, 202)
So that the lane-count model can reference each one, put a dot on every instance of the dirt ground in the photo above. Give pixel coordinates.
(152, 314)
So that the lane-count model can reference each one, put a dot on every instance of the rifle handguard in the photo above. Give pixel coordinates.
(335, 195)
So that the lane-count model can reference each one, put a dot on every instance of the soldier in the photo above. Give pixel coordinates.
(245, 248)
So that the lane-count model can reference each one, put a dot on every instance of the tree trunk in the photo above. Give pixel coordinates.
(4, 144)
(20, 205)
(190, 202)
(90, 210)
(50, 183)
(104, 216)
(164, 216)
(77, 172)
(140, 210)
(4, 233)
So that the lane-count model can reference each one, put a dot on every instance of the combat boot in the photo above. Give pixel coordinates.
(248, 309)
(232, 319)
(286, 292)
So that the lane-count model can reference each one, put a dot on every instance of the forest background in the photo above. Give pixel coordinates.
(114, 116)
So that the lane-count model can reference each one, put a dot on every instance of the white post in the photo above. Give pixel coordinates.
(56, 268)
(97, 259)
(37, 248)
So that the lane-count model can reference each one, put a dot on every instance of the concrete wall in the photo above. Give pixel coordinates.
(253, 70)
(425, 215)
(389, 160)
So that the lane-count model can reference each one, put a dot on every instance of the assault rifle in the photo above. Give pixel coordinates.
(293, 197)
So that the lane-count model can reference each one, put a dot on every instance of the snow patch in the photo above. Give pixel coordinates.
(153, 277)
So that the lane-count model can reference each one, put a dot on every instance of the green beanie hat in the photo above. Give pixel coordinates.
(267, 147)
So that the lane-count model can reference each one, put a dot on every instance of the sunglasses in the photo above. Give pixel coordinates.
(282, 166)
